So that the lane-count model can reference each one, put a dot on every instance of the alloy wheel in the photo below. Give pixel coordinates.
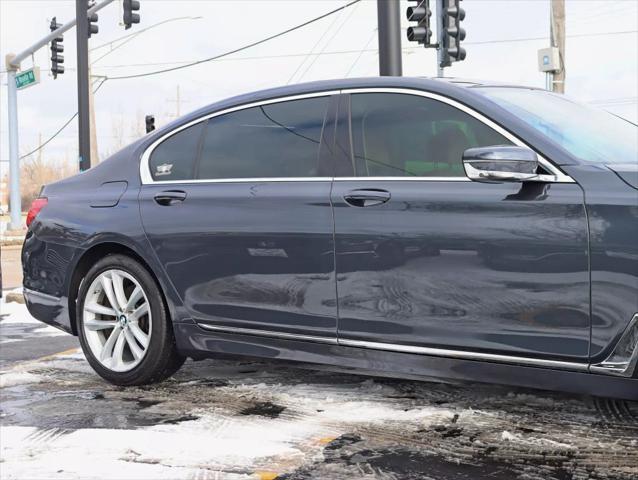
(117, 320)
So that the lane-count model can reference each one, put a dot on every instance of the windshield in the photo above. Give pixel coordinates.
(593, 135)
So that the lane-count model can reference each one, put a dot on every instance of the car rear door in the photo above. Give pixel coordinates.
(237, 209)
(428, 261)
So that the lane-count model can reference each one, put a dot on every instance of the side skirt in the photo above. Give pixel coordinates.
(197, 342)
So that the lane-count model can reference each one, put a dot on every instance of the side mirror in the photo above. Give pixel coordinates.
(501, 163)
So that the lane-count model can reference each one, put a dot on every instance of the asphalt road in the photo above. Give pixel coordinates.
(250, 419)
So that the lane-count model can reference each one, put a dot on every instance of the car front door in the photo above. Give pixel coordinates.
(428, 261)
(237, 210)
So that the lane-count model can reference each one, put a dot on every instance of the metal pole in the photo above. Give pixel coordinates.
(389, 38)
(14, 160)
(84, 128)
(439, 33)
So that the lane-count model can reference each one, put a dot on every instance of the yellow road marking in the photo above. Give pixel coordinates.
(54, 355)
(265, 475)
(325, 440)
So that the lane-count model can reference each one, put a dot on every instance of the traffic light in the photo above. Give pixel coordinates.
(56, 49)
(150, 123)
(130, 18)
(420, 13)
(93, 27)
(452, 34)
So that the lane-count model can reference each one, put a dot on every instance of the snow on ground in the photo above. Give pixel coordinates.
(252, 419)
(14, 313)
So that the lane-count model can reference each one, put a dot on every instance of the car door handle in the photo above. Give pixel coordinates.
(170, 197)
(367, 197)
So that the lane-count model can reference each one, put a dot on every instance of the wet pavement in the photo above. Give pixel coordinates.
(296, 423)
(242, 418)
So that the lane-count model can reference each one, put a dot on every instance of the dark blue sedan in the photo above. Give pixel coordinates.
(395, 226)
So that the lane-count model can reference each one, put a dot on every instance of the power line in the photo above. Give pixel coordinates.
(356, 60)
(336, 32)
(133, 36)
(528, 39)
(187, 63)
(312, 50)
(338, 52)
(195, 63)
(42, 145)
(245, 47)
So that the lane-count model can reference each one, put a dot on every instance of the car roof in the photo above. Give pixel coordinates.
(451, 87)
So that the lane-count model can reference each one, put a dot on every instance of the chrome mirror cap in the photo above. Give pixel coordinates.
(502, 163)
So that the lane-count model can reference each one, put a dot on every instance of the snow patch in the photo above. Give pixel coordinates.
(12, 379)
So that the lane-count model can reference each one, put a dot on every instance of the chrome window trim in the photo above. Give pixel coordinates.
(557, 175)
(429, 351)
(243, 180)
(404, 179)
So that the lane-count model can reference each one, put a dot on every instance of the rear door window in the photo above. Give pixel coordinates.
(274, 140)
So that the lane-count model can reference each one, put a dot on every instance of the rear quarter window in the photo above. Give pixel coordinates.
(174, 158)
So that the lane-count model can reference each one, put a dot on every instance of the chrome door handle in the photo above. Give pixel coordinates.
(367, 197)
(170, 197)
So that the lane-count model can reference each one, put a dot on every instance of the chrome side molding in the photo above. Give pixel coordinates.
(623, 359)
(391, 347)
(267, 333)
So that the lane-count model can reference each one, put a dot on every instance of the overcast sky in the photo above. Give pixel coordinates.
(503, 37)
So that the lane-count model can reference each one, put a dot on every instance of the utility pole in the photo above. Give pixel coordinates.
(389, 38)
(178, 103)
(94, 153)
(557, 29)
(84, 128)
(39, 151)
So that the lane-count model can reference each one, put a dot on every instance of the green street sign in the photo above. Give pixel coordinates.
(28, 78)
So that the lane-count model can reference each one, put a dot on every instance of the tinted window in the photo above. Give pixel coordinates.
(276, 140)
(407, 135)
(174, 158)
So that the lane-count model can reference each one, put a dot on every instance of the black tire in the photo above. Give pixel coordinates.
(161, 359)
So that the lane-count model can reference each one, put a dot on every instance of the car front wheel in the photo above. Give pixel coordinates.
(124, 329)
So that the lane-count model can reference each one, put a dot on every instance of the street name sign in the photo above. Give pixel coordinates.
(27, 78)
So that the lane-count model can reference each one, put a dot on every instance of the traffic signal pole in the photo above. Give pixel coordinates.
(439, 32)
(13, 65)
(14, 166)
(389, 38)
(84, 127)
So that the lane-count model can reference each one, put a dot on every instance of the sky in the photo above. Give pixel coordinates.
(503, 37)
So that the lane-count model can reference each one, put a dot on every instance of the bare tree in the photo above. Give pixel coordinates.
(36, 172)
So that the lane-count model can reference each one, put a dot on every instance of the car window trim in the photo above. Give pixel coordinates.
(556, 176)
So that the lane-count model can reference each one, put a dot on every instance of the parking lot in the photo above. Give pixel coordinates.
(240, 418)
